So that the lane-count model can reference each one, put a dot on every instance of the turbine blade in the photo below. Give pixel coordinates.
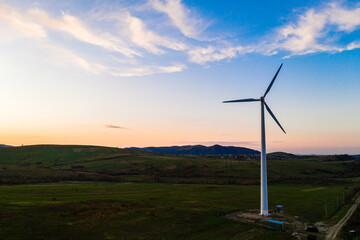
(273, 116)
(272, 81)
(242, 100)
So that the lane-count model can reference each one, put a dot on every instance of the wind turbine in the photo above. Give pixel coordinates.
(264, 196)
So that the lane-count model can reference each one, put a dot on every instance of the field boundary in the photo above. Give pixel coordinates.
(335, 229)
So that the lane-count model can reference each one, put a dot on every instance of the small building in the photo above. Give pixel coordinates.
(352, 233)
(279, 209)
(277, 225)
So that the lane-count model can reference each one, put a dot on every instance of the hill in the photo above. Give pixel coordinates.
(199, 150)
(3, 145)
(283, 156)
(50, 163)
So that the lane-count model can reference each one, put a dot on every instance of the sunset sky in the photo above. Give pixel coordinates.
(155, 73)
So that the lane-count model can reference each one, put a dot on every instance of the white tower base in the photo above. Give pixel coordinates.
(264, 196)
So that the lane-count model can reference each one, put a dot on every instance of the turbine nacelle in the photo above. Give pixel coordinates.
(262, 99)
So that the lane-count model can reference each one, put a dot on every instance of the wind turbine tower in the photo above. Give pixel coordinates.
(264, 210)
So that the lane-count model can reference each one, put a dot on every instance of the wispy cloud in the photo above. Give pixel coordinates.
(180, 16)
(345, 18)
(21, 23)
(147, 70)
(30, 28)
(212, 54)
(62, 55)
(138, 33)
(313, 31)
(35, 23)
(115, 127)
(76, 28)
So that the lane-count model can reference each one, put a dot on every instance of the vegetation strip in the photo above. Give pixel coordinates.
(334, 230)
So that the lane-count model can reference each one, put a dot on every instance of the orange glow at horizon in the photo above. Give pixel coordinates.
(144, 137)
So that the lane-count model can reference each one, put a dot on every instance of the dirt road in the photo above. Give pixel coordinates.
(334, 230)
(253, 217)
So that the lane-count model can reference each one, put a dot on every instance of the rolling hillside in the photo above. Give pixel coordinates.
(48, 163)
(199, 150)
(3, 145)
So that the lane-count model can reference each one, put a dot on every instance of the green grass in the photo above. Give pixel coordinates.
(148, 211)
(47, 163)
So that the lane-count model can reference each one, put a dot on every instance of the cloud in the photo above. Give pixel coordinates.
(148, 70)
(115, 126)
(35, 22)
(314, 31)
(346, 19)
(353, 45)
(143, 37)
(301, 37)
(76, 28)
(212, 54)
(180, 16)
(21, 23)
(29, 28)
(62, 55)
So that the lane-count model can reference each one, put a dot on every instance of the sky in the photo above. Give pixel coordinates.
(155, 73)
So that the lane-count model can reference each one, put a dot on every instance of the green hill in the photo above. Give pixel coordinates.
(48, 163)
(283, 156)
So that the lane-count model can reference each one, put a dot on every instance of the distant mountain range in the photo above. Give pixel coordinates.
(223, 150)
(199, 150)
(3, 145)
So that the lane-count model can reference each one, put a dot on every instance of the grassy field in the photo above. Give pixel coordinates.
(84, 192)
(148, 211)
(33, 164)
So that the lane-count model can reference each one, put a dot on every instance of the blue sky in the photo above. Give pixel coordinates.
(154, 72)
